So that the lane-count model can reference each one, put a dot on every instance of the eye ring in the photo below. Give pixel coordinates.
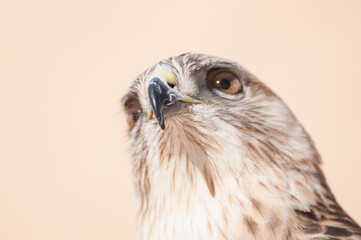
(225, 83)
(132, 112)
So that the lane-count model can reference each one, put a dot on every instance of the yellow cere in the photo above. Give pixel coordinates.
(167, 77)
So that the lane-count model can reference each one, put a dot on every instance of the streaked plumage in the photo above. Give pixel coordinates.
(226, 166)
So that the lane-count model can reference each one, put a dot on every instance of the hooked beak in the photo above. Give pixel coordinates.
(161, 98)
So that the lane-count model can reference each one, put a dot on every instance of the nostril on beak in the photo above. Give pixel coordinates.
(167, 103)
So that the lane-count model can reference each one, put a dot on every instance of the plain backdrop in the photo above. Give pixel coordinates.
(65, 64)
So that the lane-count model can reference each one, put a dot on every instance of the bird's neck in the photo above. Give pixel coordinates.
(178, 199)
(198, 187)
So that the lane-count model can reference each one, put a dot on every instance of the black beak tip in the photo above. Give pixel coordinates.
(161, 121)
(158, 93)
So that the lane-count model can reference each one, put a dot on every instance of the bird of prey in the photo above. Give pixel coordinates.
(217, 155)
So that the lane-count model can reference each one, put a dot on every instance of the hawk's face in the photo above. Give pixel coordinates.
(215, 115)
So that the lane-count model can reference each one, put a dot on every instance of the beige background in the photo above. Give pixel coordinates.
(64, 65)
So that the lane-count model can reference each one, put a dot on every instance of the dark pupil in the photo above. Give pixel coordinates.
(225, 84)
(135, 115)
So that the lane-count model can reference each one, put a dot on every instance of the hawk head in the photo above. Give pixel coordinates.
(211, 143)
(213, 112)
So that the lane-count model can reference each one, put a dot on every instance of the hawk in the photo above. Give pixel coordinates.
(217, 155)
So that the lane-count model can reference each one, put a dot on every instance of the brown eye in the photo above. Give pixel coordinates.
(132, 111)
(226, 82)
